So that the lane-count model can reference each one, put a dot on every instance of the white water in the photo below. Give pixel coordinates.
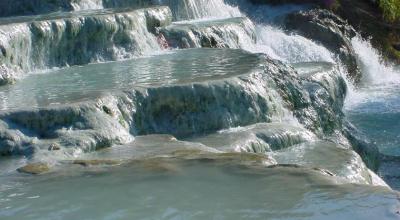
(138, 193)
(288, 48)
(380, 80)
(195, 9)
(271, 40)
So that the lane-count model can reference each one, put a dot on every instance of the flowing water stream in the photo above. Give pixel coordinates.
(127, 114)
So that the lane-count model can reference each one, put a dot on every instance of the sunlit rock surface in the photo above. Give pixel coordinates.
(31, 43)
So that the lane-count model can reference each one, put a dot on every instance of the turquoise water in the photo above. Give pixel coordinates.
(379, 118)
(377, 115)
(374, 108)
(159, 177)
(196, 189)
(91, 81)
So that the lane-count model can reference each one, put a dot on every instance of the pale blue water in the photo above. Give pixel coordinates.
(374, 108)
(91, 81)
(191, 190)
(378, 116)
(205, 188)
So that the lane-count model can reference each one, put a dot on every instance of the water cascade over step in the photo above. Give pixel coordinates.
(160, 95)
(182, 9)
(236, 32)
(76, 39)
(181, 95)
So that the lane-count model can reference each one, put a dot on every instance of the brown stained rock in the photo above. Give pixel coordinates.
(34, 168)
(88, 163)
(54, 147)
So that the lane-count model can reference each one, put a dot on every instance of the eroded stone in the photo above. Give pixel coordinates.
(34, 168)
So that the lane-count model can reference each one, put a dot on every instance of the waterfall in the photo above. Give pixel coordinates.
(92, 37)
(197, 9)
(380, 79)
(288, 48)
(374, 69)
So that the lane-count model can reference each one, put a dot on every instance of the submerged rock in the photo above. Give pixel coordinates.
(34, 168)
(98, 162)
(367, 150)
(258, 138)
(338, 160)
(240, 191)
(331, 31)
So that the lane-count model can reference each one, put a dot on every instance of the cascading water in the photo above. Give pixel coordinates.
(288, 48)
(374, 107)
(226, 127)
(200, 9)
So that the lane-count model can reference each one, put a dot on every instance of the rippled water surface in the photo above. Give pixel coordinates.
(88, 82)
(375, 106)
(303, 186)
(191, 190)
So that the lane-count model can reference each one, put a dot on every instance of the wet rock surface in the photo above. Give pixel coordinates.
(258, 138)
(219, 122)
(331, 31)
(181, 108)
(34, 168)
(222, 33)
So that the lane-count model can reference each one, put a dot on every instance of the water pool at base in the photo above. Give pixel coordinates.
(195, 189)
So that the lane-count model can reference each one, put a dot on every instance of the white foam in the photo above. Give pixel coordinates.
(289, 48)
(380, 80)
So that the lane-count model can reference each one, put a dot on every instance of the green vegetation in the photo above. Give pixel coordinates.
(391, 9)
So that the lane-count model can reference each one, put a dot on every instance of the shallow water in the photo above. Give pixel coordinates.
(214, 187)
(91, 81)
(192, 190)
